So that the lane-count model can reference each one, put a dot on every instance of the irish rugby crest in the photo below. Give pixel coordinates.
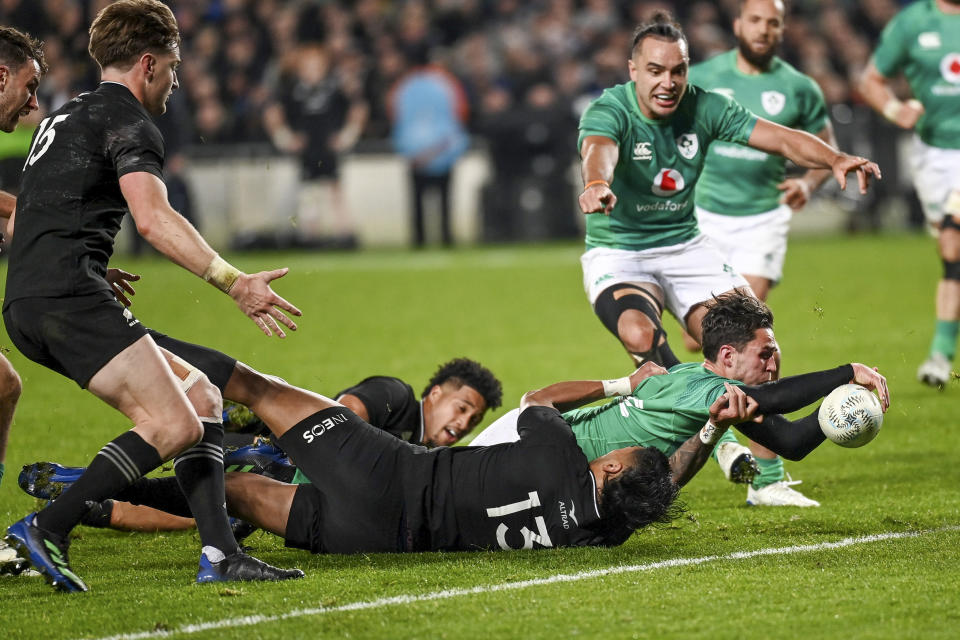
(688, 145)
(773, 102)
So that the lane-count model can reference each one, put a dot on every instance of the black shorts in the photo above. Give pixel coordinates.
(74, 336)
(217, 366)
(359, 506)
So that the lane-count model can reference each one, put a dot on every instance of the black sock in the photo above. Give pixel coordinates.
(163, 493)
(120, 462)
(199, 471)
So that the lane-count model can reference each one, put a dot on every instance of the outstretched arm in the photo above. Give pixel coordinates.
(565, 396)
(791, 439)
(797, 191)
(807, 150)
(875, 89)
(796, 392)
(173, 236)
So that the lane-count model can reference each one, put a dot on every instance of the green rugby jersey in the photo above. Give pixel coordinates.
(663, 412)
(924, 43)
(659, 163)
(739, 180)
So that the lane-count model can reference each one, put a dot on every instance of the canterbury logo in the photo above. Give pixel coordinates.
(323, 426)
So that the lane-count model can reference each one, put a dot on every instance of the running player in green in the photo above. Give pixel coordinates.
(643, 146)
(743, 202)
(667, 411)
(923, 43)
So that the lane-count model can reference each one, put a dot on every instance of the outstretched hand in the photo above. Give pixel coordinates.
(733, 407)
(870, 378)
(256, 299)
(119, 280)
(845, 163)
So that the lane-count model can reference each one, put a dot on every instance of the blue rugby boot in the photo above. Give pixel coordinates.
(47, 553)
(47, 480)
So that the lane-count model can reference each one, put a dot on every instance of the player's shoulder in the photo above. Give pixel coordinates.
(914, 16)
(382, 383)
(791, 76)
(717, 64)
(615, 97)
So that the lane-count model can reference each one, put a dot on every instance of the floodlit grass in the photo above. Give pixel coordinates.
(522, 312)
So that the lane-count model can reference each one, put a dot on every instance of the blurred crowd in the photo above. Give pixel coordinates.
(317, 78)
(242, 57)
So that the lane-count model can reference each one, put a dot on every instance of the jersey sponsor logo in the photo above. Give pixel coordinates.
(929, 40)
(567, 516)
(950, 68)
(773, 102)
(724, 91)
(668, 182)
(323, 426)
(739, 152)
(688, 145)
(642, 151)
(128, 316)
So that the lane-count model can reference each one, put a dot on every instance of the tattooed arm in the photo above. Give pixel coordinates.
(732, 407)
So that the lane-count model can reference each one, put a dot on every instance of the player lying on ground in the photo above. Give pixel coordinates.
(663, 411)
(374, 493)
(453, 402)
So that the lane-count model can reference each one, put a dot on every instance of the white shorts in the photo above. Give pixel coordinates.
(936, 173)
(689, 273)
(503, 429)
(755, 245)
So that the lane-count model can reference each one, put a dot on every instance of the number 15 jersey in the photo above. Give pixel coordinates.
(70, 205)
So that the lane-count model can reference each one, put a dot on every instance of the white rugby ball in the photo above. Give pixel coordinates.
(851, 416)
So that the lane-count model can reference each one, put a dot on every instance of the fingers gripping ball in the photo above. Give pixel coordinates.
(850, 416)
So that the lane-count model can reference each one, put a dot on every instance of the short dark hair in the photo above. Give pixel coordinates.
(662, 26)
(733, 318)
(126, 29)
(642, 494)
(17, 47)
(464, 371)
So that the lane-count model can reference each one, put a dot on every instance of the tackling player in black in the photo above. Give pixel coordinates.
(90, 162)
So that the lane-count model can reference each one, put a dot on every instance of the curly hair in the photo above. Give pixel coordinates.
(126, 29)
(662, 26)
(642, 494)
(733, 318)
(17, 47)
(464, 371)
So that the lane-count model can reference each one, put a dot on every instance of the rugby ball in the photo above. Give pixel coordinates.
(850, 416)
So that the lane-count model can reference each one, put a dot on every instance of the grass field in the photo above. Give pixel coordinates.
(893, 505)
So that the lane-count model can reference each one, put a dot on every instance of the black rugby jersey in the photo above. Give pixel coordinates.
(535, 493)
(391, 406)
(70, 205)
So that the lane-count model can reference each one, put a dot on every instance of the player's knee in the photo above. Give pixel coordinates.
(206, 398)
(637, 337)
(951, 270)
(949, 239)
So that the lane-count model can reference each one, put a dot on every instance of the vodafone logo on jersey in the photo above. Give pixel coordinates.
(667, 182)
(950, 68)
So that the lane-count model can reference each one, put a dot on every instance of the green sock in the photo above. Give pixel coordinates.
(771, 470)
(945, 338)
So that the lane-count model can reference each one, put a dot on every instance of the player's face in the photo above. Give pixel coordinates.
(18, 93)
(162, 82)
(450, 412)
(758, 361)
(659, 67)
(759, 30)
(612, 464)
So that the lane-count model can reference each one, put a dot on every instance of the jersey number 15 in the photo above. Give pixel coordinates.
(45, 136)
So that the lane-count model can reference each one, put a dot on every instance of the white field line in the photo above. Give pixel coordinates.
(245, 621)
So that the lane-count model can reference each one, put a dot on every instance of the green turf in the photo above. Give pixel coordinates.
(522, 312)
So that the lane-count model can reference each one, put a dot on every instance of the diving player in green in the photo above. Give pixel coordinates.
(666, 411)
(643, 146)
(743, 202)
(923, 43)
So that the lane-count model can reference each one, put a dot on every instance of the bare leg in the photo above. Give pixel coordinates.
(10, 388)
(135, 517)
(260, 501)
